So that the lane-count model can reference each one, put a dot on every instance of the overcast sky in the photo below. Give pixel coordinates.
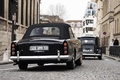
(75, 9)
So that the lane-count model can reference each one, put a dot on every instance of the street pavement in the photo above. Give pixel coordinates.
(91, 69)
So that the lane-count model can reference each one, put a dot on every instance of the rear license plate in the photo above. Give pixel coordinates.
(87, 50)
(39, 48)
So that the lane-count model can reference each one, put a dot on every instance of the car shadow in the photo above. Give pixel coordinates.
(48, 67)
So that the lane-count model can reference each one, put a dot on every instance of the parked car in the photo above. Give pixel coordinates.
(47, 43)
(91, 46)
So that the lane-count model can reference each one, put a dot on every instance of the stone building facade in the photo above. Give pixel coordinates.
(108, 19)
(50, 19)
(77, 27)
(26, 14)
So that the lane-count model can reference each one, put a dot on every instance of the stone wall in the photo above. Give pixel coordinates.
(5, 36)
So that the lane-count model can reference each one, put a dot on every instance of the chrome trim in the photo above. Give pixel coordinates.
(18, 55)
(58, 51)
(68, 57)
(88, 54)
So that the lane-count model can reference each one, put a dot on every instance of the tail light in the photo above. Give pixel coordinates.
(65, 47)
(13, 49)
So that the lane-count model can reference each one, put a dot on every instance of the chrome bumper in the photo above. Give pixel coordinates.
(91, 54)
(58, 58)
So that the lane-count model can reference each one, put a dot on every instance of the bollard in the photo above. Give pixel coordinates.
(6, 56)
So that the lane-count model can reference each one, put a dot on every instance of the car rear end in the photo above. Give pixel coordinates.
(46, 51)
(89, 47)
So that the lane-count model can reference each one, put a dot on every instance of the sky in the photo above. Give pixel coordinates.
(74, 9)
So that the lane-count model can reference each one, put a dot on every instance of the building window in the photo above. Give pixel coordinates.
(87, 22)
(72, 24)
(91, 6)
(83, 30)
(2, 8)
(91, 21)
(26, 12)
(89, 29)
(75, 25)
(89, 12)
(30, 12)
(12, 8)
(37, 12)
(93, 12)
(84, 23)
(22, 10)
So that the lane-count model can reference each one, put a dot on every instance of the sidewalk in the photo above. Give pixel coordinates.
(111, 57)
(114, 58)
(5, 62)
(4, 58)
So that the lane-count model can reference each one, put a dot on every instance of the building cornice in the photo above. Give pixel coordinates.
(98, 0)
(117, 11)
(108, 17)
(108, 13)
(116, 34)
(117, 6)
(3, 18)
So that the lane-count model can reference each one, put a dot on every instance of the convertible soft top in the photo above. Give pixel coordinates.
(64, 29)
(50, 24)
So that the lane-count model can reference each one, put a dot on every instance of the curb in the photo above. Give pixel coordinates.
(114, 58)
(3, 62)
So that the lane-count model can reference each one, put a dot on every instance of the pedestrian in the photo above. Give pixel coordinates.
(111, 42)
(116, 42)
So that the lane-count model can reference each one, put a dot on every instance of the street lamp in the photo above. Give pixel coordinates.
(15, 7)
(13, 25)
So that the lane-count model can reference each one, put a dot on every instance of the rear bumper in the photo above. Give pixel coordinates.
(42, 58)
(91, 54)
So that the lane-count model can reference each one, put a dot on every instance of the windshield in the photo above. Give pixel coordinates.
(45, 31)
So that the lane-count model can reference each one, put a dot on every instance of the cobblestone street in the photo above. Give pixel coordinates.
(61, 33)
(91, 69)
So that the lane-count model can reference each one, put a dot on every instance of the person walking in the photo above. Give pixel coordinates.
(112, 42)
(116, 42)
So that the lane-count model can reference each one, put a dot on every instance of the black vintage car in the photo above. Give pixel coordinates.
(47, 43)
(91, 46)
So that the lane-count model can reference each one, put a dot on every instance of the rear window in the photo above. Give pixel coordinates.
(45, 31)
(88, 40)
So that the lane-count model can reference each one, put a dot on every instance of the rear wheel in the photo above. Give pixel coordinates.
(22, 66)
(100, 52)
(71, 64)
(100, 57)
